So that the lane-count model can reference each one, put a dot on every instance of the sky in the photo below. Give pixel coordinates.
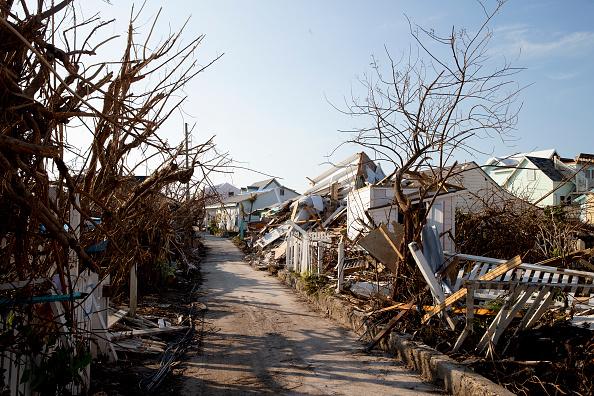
(270, 99)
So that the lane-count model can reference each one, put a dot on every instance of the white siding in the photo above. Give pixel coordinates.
(442, 216)
(358, 201)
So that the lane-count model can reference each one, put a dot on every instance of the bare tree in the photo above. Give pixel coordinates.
(430, 106)
(52, 89)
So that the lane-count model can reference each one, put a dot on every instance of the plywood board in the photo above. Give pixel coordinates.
(376, 244)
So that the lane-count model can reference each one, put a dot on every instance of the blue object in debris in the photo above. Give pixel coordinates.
(44, 299)
(97, 248)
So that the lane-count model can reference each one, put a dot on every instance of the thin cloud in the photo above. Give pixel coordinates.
(561, 76)
(519, 39)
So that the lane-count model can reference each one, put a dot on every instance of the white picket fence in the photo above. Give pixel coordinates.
(90, 318)
(305, 251)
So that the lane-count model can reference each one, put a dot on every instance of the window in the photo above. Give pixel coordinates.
(282, 191)
(531, 174)
(231, 193)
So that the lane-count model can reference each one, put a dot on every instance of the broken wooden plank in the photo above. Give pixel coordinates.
(117, 335)
(116, 316)
(513, 304)
(469, 326)
(457, 310)
(429, 276)
(386, 330)
(538, 266)
(138, 345)
(133, 290)
(392, 240)
(498, 271)
(339, 211)
(280, 251)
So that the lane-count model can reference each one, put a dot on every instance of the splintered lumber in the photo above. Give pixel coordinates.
(497, 272)
(401, 306)
(280, 250)
(145, 332)
(386, 330)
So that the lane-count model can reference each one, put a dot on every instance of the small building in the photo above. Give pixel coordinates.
(234, 212)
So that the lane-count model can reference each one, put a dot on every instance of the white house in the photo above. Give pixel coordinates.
(469, 190)
(543, 177)
(220, 192)
(233, 212)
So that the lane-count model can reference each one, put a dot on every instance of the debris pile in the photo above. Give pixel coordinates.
(349, 238)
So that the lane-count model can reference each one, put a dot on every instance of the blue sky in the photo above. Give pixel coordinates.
(267, 99)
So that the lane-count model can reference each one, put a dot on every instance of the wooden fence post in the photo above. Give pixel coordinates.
(340, 266)
(133, 291)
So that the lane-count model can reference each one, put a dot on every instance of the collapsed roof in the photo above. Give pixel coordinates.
(355, 171)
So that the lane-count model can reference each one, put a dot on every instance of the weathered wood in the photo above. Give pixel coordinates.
(500, 270)
(538, 266)
(116, 316)
(468, 328)
(386, 330)
(340, 266)
(140, 346)
(537, 308)
(117, 335)
(391, 239)
(100, 333)
(381, 244)
(457, 310)
(133, 291)
(515, 302)
(427, 273)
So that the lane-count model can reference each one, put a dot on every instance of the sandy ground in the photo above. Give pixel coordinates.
(262, 339)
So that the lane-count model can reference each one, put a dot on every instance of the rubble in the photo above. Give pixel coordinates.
(463, 304)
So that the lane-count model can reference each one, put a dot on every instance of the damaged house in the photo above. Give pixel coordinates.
(234, 212)
(469, 189)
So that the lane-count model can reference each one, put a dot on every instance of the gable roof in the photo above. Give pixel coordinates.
(263, 183)
(235, 199)
(547, 166)
(515, 159)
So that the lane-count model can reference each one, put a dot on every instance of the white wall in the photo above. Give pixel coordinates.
(358, 201)
(442, 214)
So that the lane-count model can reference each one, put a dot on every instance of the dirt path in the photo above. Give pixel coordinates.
(263, 339)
